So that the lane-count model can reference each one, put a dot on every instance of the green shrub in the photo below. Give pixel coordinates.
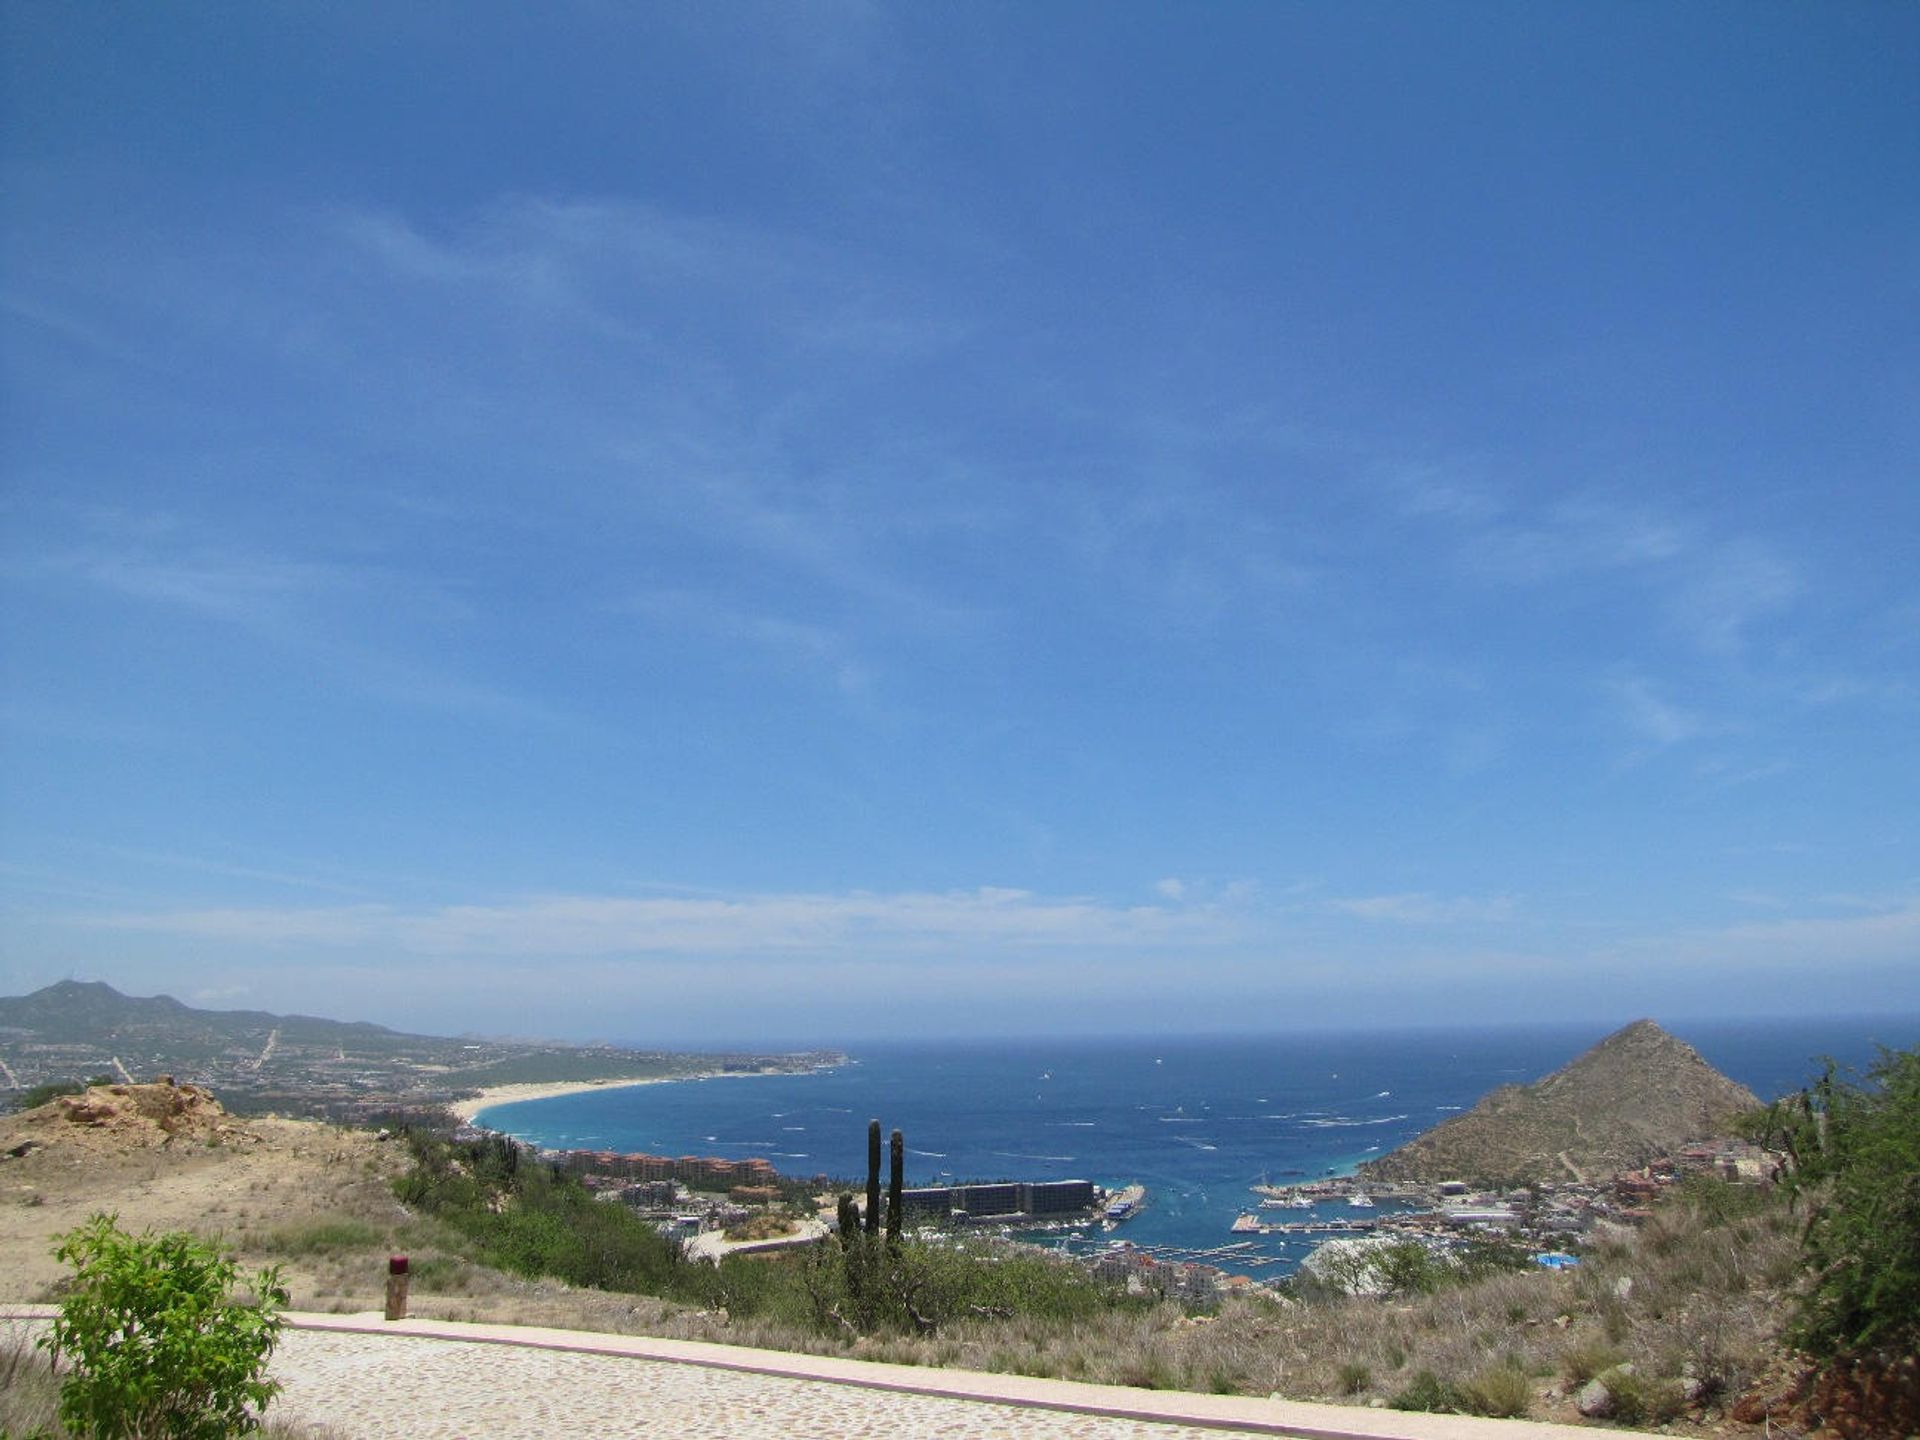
(1639, 1400)
(1427, 1391)
(437, 1274)
(1354, 1377)
(155, 1343)
(1409, 1268)
(40, 1095)
(1501, 1390)
(1855, 1152)
(321, 1237)
(1719, 1202)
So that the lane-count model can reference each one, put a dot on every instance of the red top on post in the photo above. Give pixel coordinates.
(396, 1265)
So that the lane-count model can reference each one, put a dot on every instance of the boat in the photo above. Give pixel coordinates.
(1359, 1201)
(1247, 1224)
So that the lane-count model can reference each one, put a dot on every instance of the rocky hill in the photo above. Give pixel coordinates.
(1639, 1094)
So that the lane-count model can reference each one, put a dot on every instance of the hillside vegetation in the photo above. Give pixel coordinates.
(1679, 1322)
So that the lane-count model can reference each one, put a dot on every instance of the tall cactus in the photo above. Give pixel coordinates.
(849, 1220)
(896, 1180)
(873, 1177)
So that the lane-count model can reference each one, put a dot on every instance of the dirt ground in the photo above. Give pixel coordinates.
(169, 1158)
(315, 1199)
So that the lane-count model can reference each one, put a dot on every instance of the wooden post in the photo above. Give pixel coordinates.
(397, 1287)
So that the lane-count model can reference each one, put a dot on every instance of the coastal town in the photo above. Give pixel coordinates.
(1325, 1227)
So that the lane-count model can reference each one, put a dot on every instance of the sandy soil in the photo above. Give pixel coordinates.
(210, 1173)
(260, 1188)
(471, 1107)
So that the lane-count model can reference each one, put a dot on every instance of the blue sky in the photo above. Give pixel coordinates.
(774, 522)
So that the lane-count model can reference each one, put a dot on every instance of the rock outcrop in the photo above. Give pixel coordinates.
(130, 1116)
(1637, 1095)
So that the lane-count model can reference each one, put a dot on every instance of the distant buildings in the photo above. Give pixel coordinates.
(703, 1172)
(1005, 1200)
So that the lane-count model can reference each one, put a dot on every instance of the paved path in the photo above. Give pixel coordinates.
(367, 1386)
(366, 1379)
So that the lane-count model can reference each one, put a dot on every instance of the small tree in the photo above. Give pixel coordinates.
(158, 1347)
(1855, 1158)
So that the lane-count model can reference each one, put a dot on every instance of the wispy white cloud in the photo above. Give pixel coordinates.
(1810, 946)
(1650, 717)
(1711, 587)
(850, 925)
(787, 641)
(1422, 908)
(329, 612)
(1724, 592)
(1729, 773)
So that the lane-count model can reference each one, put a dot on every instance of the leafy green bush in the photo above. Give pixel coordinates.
(1427, 1391)
(1409, 1268)
(156, 1345)
(1855, 1153)
(1354, 1377)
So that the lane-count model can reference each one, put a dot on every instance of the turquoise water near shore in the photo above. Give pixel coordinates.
(1195, 1120)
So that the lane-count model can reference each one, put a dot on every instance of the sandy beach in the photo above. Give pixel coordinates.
(471, 1107)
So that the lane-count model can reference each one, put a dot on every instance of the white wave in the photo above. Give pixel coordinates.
(790, 1129)
(930, 1154)
(1343, 1123)
(1012, 1155)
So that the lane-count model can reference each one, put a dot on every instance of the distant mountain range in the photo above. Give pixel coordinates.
(1637, 1095)
(92, 1013)
(301, 1063)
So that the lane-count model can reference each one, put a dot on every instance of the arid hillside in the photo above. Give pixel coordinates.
(1639, 1094)
(1692, 1303)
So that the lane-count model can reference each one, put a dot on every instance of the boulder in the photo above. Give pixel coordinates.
(1595, 1400)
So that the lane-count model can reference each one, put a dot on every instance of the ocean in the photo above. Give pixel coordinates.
(1195, 1120)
